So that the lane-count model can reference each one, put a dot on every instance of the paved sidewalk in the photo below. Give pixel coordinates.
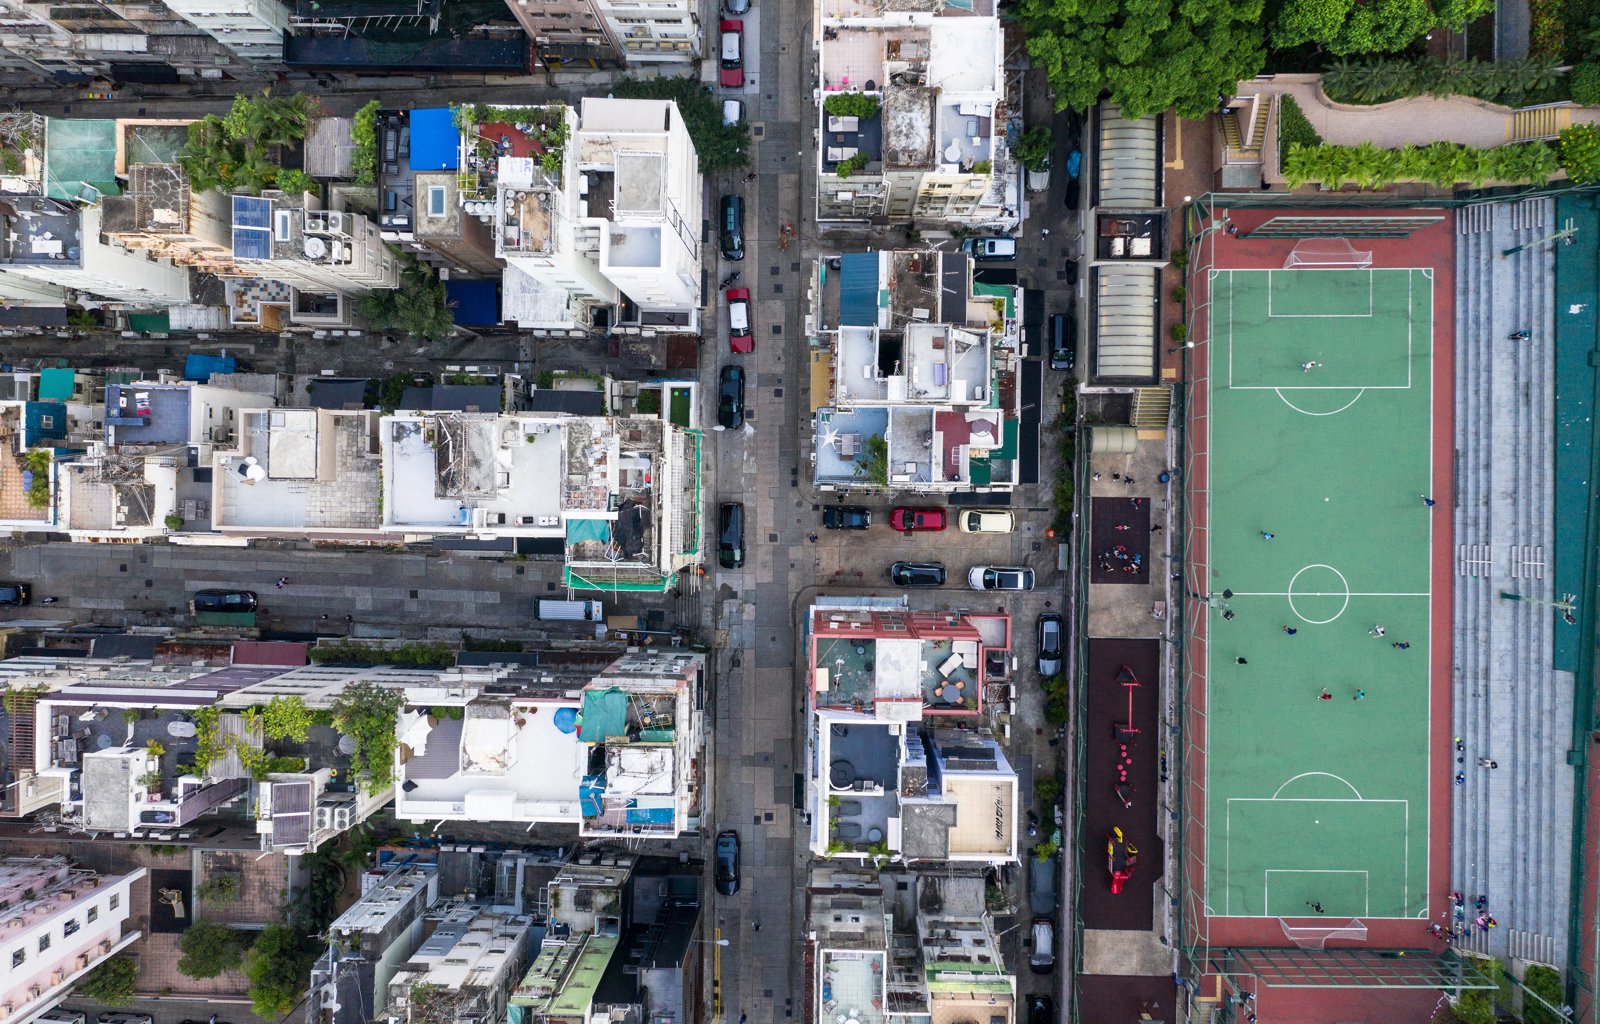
(1416, 121)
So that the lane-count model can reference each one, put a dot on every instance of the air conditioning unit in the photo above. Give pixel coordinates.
(326, 222)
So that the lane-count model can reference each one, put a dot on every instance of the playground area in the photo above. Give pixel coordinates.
(1313, 592)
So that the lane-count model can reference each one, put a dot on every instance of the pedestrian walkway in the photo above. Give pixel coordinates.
(1415, 121)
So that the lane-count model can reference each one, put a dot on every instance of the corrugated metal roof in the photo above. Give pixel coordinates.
(1126, 323)
(858, 289)
(1130, 160)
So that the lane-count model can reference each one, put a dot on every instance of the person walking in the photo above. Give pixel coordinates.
(1265, 535)
(1325, 695)
(1375, 632)
(1522, 335)
(1290, 630)
(1487, 762)
(1401, 645)
(1241, 661)
(1307, 367)
(1427, 501)
(1359, 695)
(1315, 905)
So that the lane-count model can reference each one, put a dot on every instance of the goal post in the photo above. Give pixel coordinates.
(1316, 936)
(1327, 252)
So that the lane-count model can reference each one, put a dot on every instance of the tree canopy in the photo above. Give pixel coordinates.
(113, 982)
(1148, 54)
(276, 966)
(1368, 26)
(239, 152)
(420, 306)
(209, 949)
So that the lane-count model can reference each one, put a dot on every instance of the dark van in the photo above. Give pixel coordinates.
(732, 229)
(1064, 339)
(730, 535)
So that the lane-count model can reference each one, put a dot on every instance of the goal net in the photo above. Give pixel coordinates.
(1316, 936)
(1327, 252)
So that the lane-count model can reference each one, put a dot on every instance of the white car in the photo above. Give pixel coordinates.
(732, 112)
(985, 520)
(1000, 577)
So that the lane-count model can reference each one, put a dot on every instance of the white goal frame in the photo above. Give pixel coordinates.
(1327, 252)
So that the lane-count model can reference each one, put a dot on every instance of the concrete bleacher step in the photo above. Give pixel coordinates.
(1152, 408)
(1538, 123)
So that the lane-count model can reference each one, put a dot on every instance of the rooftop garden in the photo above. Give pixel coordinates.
(245, 151)
(546, 127)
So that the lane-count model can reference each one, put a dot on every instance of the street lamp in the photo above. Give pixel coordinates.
(1566, 606)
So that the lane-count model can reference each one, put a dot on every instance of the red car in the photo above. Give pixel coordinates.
(741, 338)
(910, 520)
(731, 73)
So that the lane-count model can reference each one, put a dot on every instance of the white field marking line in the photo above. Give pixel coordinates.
(1331, 412)
(1266, 888)
(1405, 832)
(1319, 316)
(1331, 593)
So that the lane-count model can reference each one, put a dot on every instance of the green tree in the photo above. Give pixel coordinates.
(1546, 983)
(242, 151)
(286, 718)
(366, 712)
(420, 307)
(722, 147)
(208, 950)
(113, 982)
(276, 966)
(1148, 54)
(364, 134)
(1353, 26)
(1477, 1006)
(1579, 146)
(1033, 149)
(873, 465)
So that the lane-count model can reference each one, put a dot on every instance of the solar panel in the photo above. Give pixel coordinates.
(252, 243)
(252, 212)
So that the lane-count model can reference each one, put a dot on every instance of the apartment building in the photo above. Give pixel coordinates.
(900, 767)
(57, 924)
(419, 193)
(466, 967)
(911, 115)
(584, 35)
(368, 943)
(610, 235)
(918, 387)
(311, 262)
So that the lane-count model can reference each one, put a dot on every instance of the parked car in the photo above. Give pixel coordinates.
(1041, 1009)
(732, 112)
(736, 6)
(224, 601)
(731, 70)
(1050, 631)
(730, 535)
(15, 593)
(997, 247)
(1042, 874)
(61, 1015)
(846, 517)
(728, 862)
(730, 398)
(1064, 338)
(985, 520)
(911, 520)
(1000, 577)
(1043, 960)
(125, 1018)
(917, 574)
(741, 338)
(731, 234)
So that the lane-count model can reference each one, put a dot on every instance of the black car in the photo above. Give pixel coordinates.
(730, 398)
(15, 593)
(224, 601)
(917, 574)
(846, 517)
(727, 862)
(1050, 627)
(730, 535)
(1064, 338)
(1041, 1010)
(732, 228)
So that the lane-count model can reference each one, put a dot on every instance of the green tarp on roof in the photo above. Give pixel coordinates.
(153, 323)
(80, 152)
(57, 385)
(588, 529)
(605, 714)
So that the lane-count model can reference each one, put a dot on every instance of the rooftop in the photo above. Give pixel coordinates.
(147, 413)
(518, 760)
(473, 470)
(852, 985)
(38, 232)
(299, 469)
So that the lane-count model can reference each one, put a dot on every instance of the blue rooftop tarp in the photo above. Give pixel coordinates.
(199, 366)
(435, 140)
(473, 303)
(858, 289)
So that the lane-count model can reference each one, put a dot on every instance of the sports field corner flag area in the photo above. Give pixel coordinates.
(1316, 592)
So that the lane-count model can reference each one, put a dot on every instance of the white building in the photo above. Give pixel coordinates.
(632, 770)
(910, 115)
(319, 258)
(369, 942)
(58, 923)
(619, 222)
(253, 29)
